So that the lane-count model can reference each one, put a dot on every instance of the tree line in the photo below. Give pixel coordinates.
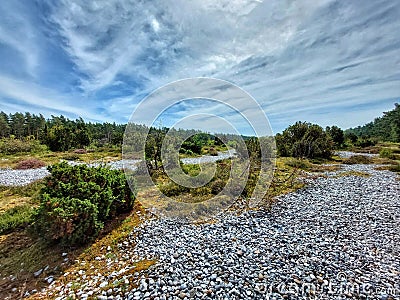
(301, 139)
(385, 128)
(58, 132)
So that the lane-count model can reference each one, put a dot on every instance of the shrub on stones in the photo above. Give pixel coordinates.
(77, 201)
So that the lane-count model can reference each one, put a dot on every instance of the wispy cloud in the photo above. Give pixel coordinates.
(310, 60)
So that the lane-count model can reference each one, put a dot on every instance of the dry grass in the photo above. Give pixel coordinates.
(12, 196)
(353, 173)
(358, 159)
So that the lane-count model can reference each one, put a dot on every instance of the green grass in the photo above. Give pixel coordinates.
(298, 163)
(17, 205)
(15, 218)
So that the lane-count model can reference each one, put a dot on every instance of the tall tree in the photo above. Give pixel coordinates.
(4, 126)
(17, 124)
(337, 135)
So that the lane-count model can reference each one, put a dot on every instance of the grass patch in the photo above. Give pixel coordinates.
(14, 196)
(325, 168)
(298, 163)
(15, 218)
(387, 153)
(393, 167)
(353, 173)
(313, 166)
(358, 159)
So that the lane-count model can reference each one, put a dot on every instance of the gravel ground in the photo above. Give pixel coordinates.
(12, 177)
(338, 238)
(347, 154)
(208, 158)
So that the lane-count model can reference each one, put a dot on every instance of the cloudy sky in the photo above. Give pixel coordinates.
(329, 62)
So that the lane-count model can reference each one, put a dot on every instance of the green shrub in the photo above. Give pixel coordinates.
(191, 169)
(387, 153)
(365, 142)
(13, 146)
(304, 140)
(77, 200)
(16, 217)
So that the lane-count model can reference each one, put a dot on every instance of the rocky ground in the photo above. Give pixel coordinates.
(337, 238)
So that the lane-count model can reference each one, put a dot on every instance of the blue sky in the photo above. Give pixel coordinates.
(328, 62)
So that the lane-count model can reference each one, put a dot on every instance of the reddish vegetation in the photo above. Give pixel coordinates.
(80, 151)
(30, 163)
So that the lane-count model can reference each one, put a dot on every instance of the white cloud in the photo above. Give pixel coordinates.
(297, 58)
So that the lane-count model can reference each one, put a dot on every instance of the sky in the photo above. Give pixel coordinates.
(326, 62)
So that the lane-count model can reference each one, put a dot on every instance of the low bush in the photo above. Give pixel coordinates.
(71, 156)
(80, 151)
(395, 168)
(16, 217)
(387, 153)
(213, 152)
(217, 186)
(298, 163)
(191, 169)
(30, 163)
(13, 146)
(358, 159)
(76, 201)
(200, 191)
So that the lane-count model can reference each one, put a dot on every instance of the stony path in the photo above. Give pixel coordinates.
(338, 238)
